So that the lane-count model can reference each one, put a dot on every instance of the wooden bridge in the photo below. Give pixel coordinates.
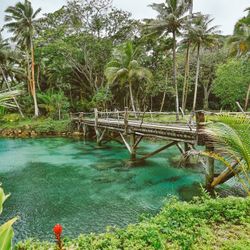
(131, 127)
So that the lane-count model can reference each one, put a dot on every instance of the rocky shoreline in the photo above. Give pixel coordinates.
(31, 133)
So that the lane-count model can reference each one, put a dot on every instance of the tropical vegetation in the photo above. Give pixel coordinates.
(89, 54)
(99, 56)
(204, 223)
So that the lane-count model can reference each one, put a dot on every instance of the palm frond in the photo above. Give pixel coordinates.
(231, 135)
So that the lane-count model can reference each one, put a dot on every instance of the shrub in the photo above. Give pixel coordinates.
(14, 117)
(203, 223)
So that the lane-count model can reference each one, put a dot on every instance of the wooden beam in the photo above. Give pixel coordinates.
(126, 144)
(209, 170)
(126, 121)
(180, 148)
(138, 141)
(158, 151)
(226, 175)
(102, 135)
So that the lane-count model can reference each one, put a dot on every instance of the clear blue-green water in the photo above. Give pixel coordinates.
(83, 187)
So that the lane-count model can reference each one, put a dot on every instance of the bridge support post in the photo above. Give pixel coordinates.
(84, 128)
(99, 134)
(186, 156)
(209, 170)
(133, 147)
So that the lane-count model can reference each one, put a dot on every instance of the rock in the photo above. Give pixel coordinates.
(101, 166)
(76, 134)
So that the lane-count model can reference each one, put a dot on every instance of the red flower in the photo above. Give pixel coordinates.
(57, 230)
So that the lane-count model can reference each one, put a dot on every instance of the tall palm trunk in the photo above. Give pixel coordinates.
(28, 70)
(247, 98)
(33, 84)
(186, 79)
(191, 7)
(187, 65)
(163, 101)
(205, 101)
(196, 77)
(174, 76)
(131, 97)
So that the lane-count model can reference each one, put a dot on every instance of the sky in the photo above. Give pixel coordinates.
(225, 12)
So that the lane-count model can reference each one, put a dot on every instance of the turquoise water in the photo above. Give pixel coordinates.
(83, 187)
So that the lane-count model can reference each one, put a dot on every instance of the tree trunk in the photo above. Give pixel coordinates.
(151, 103)
(28, 71)
(37, 78)
(33, 84)
(131, 96)
(174, 76)
(186, 80)
(59, 114)
(191, 7)
(196, 77)
(205, 102)
(163, 101)
(247, 98)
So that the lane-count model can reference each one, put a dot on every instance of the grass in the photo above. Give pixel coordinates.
(204, 223)
(41, 124)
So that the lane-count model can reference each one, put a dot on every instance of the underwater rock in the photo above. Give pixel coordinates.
(187, 193)
(172, 179)
(105, 179)
(101, 166)
(180, 161)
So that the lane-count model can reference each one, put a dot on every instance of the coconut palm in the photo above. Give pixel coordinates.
(231, 139)
(171, 19)
(187, 44)
(20, 21)
(200, 35)
(240, 41)
(125, 69)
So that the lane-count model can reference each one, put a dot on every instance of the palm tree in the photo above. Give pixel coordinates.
(201, 35)
(231, 139)
(20, 21)
(171, 18)
(240, 41)
(187, 42)
(125, 69)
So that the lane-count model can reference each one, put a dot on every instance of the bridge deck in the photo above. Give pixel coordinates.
(172, 131)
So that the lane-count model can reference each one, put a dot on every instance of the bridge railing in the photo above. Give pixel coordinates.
(126, 116)
(149, 116)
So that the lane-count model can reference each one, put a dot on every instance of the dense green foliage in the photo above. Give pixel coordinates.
(6, 230)
(231, 138)
(14, 122)
(232, 82)
(64, 55)
(204, 223)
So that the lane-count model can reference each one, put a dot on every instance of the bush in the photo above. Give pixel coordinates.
(203, 223)
(14, 117)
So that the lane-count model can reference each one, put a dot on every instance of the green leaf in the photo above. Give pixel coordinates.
(3, 197)
(6, 234)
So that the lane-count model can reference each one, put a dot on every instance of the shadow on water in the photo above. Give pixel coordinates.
(83, 187)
